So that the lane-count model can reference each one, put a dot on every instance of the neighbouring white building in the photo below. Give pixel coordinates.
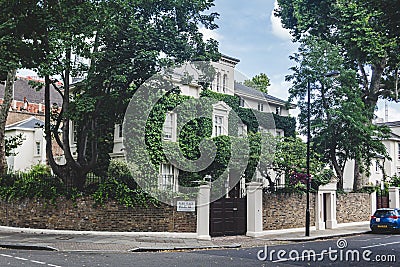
(381, 168)
(32, 150)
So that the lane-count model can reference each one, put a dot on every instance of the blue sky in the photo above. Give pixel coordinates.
(249, 31)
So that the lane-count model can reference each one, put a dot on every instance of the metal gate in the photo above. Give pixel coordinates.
(228, 217)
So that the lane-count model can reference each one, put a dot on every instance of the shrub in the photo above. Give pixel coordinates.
(119, 191)
(120, 171)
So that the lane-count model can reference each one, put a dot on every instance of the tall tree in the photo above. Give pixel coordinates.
(368, 32)
(125, 42)
(341, 128)
(260, 82)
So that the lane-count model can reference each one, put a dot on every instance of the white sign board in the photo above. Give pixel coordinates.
(186, 205)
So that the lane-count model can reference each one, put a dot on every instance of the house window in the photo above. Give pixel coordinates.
(278, 110)
(167, 177)
(218, 125)
(260, 107)
(38, 148)
(398, 151)
(168, 126)
(224, 83)
(218, 81)
(120, 130)
(74, 132)
(377, 168)
(241, 102)
(242, 130)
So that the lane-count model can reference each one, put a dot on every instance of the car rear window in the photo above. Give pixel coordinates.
(382, 213)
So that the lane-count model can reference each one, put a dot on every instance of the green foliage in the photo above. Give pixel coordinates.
(126, 42)
(394, 181)
(341, 126)
(286, 123)
(322, 178)
(366, 38)
(369, 189)
(35, 183)
(120, 171)
(113, 189)
(12, 142)
(259, 82)
(38, 170)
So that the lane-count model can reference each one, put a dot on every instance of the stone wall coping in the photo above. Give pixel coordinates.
(98, 233)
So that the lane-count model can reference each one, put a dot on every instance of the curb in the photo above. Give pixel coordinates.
(27, 247)
(312, 238)
(155, 249)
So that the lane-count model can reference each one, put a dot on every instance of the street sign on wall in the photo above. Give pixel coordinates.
(186, 206)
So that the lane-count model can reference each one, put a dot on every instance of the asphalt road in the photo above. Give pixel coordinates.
(368, 249)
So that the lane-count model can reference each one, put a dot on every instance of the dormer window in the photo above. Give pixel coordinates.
(260, 107)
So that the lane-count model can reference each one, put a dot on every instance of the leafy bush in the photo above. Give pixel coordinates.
(32, 186)
(39, 170)
(120, 171)
(119, 191)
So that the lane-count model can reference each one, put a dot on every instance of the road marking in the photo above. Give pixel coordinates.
(33, 261)
(19, 258)
(38, 262)
(381, 244)
(300, 257)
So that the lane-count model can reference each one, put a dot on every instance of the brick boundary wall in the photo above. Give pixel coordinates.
(284, 211)
(83, 215)
(353, 207)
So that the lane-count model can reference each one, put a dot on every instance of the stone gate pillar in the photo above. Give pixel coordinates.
(394, 198)
(325, 206)
(203, 213)
(254, 194)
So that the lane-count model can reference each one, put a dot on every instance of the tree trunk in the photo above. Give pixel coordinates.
(338, 171)
(8, 97)
(358, 182)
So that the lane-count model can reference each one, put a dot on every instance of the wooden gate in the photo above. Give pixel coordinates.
(228, 217)
(382, 200)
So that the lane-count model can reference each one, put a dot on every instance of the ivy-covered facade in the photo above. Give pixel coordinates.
(236, 111)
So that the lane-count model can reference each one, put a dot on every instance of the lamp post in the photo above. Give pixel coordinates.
(329, 74)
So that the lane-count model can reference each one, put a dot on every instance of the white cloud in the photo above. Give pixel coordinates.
(210, 34)
(277, 28)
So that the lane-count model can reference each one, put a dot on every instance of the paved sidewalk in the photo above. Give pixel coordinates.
(295, 235)
(130, 242)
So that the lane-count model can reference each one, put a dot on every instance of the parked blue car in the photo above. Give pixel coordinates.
(385, 220)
